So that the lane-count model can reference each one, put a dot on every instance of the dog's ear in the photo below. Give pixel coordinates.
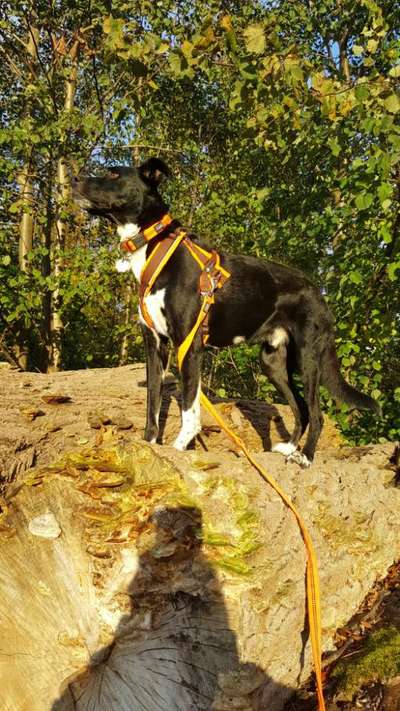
(153, 171)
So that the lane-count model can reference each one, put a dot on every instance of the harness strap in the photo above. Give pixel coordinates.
(144, 236)
(213, 276)
(154, 264)
(200, 321)
(202, 257)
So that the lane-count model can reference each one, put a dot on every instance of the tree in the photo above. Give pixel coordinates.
(280, 124)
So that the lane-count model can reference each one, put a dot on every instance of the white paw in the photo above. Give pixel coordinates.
(184, 438)
(300, 459)
(285, 448)
(179, 444)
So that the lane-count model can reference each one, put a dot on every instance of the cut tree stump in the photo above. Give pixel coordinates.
(130, 581)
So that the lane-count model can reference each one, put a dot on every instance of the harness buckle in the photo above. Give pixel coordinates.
(208, 290)
(210, 276)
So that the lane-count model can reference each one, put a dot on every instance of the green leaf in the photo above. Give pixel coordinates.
(355, 277)
(297, 72)
(385, 233)
(361, 92)
(384, 191)
(372, 45)
(15, 206)
(175, 63)
(334, 146)
(107, 24)
(364, 200)
(187, 48)
(263, 193)
(392, 103)
(392, 269)
(254, 36)
(357, 50)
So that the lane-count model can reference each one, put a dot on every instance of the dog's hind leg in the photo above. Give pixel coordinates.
(156, 364)
(191, 386)
(311, 380)
(275, 364)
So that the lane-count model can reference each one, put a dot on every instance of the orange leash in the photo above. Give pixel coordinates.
(313, 589)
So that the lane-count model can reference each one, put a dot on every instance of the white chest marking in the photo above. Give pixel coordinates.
(135, 261)
(131, 261)
(155, 305)
(128, 230)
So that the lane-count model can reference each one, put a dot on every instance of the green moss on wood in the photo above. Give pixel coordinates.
(378, 660)
(125, 486)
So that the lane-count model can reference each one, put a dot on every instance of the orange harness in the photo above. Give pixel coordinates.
(212, 275)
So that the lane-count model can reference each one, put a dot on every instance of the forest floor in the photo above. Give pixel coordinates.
(43, 416)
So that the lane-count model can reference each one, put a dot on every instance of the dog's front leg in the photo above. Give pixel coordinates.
(191, 377)
(156, 364)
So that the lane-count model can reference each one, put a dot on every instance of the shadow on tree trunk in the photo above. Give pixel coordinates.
(174, 649)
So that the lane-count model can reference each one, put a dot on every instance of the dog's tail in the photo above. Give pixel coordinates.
(332, 378)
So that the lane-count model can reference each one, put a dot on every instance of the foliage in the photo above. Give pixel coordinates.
(378, 660)
(280, 124)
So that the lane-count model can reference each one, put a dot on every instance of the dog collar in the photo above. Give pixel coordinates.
(144, 236)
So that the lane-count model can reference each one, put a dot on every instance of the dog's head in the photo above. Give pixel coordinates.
(124, 195)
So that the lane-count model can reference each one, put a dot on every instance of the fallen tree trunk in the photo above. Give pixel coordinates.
(129, 581)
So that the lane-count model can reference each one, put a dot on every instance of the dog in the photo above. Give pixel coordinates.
(262, 302)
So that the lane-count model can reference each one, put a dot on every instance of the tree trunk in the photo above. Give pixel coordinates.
(60, 234)
(46, 329)
(129, 583)
(26, 227)
(26, 224)
(127, 316)
(25, 246)
(343, 58)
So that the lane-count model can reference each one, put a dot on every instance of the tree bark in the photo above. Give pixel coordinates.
(46, 331)
(343, 58)
(127, 582)
(26, 227)
(60, 232)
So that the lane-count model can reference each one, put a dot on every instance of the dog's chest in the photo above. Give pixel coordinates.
(155, 306)
(154, 303)
(132, 262)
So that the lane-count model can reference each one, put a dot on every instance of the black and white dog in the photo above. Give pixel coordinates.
(262, 302)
